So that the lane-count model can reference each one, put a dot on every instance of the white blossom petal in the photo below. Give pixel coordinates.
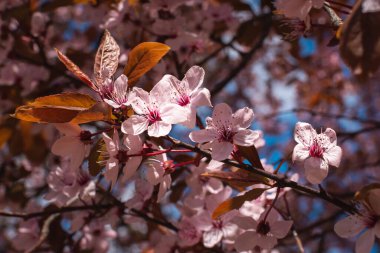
(243, 117)
(349, 226)
(221, 150)
(135, 125)
(159, 128)
(245, 137)
(212, 237)
(300, 153)
(281, 228)
(333, 156)
(304, 133)
(316, 169)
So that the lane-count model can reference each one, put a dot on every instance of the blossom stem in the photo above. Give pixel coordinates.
(272, 204)
(177, 165)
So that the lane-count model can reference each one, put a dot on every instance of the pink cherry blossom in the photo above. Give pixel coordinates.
(158, 172)
(67, 185)
(187, 93)
(152, 113)
(261, 234)
(96, 236)
(226, 129)
(317, 151)
(367, 220)
(116, 93)
(189, 233)
(75, 143)
(120, 155)
(221, 228)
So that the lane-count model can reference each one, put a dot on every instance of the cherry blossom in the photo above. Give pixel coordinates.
(367, 220)
(221, 228)
(158, 172)
(317, 151)
(116, 93)
(262, 234)
(75, 143)
(121, 155)
(188, 92)
(226, 129)
(96, 236)
(67, 185)
(153, 113)
(189, 233)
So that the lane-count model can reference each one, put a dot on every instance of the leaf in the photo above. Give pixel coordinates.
(59, 108)
(251, 154)
(236, 202)
(360, 39)
(5, 134)
(107, 58)
(99, 111)
(142, 58)
(95, 157)
(73, 68)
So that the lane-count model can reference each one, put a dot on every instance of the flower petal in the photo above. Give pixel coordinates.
(65, 146)
(164, 186)
(194, 77)
(304, 133)
(112, 149)
(222, 116)
(112, 171)
(333, 156)
(246, 137)
(246, 241)
(349, 226)
(365, 242)
(300, 153)
(267, 242)
(316, 169)
(159, 128)
(139, 99)
(243, 117)
(173, 113)
(135, 125)
(281, 228)
(221, 150)
(68, 129)
(212, 237)
(201, 97)
(131, 167)
(204, 135)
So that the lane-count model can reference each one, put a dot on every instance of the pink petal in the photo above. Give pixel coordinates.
(194, 77)
(111, 103)
(281, 228)
(164, 186)
(201, 97)
(316, 169)
(68, 129)
(165, 89)
(65, 146)
(173, 113)
(131, 167)
(139, 100)
(110, 145)
(222, 115)
(377, 229)
(221, 150)
(267, 242)
(365, 242)
(112, 171)
(135, 125)
(300, 153)
(246, 241)
(154, 173)
(134, 143)
(246, 137)
(243, 117)
(245, 222)
(204, 135)
(304, 133)
(333, 156)
(332, 135)
(212, 237)
(349, 226)
(159, 128)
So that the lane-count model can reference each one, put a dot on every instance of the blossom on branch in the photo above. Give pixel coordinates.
(317, 151)
(226, 129)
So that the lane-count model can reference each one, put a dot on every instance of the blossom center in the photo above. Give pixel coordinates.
(217, 224)
(183, 100)
(225, 134)
(263, 228)
(370, 220)
(153, 116)
(316, 150)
